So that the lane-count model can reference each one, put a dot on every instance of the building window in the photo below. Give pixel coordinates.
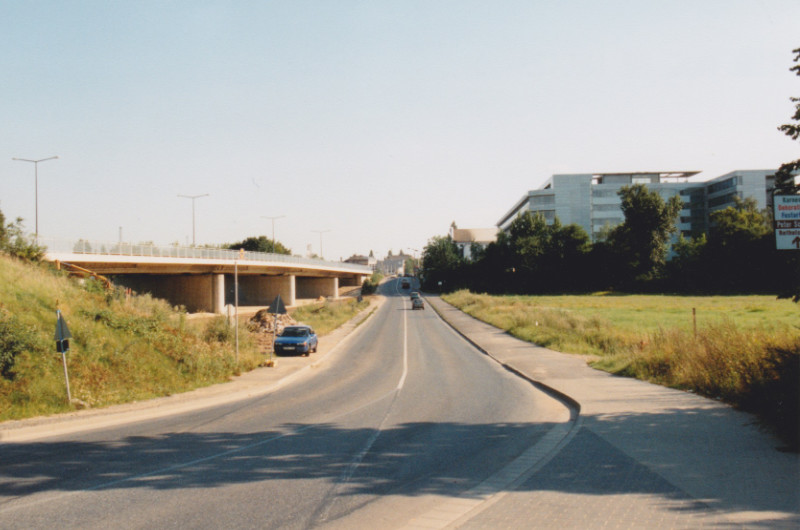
(725, 184)
(542, 200)
(727, 199)
(600, 194)
(606, 207)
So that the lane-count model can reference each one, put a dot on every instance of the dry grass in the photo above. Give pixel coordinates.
(327, 316)
(745, 351)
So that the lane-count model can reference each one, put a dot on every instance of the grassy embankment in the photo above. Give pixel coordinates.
(745, 350)
(123, 348)
(326, 317)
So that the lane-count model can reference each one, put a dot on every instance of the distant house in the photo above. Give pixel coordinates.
(464, 238)
(394, 264)
(358, 259)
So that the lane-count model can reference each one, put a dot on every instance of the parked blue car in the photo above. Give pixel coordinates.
(296, 339)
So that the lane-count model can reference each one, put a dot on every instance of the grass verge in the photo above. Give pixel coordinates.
(744, 350)
(329, 315)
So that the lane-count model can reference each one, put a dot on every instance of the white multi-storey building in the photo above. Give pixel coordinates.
(592, 200)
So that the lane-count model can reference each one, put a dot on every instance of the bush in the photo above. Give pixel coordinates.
(15, 338)
(14, 242)
(371, 284)
(219, 330)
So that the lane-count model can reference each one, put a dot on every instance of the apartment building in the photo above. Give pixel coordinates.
(592, 200)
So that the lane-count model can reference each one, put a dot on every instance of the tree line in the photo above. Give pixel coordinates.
(738, 254)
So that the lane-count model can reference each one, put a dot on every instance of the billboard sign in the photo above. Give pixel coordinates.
(787, 222)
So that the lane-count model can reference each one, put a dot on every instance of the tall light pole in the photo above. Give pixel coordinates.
(320, 232)
(36, 184)
(273, 227)
(193, 197)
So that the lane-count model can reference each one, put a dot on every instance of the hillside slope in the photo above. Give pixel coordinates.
(124, 348)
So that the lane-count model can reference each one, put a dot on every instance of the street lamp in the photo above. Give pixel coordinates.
(320, 232)
(273, 228)
(36, 184)
(193, 197)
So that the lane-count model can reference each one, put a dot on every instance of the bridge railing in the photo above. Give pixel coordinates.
(83, 246)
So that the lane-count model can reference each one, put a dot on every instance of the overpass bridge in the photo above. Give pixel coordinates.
(204, 279)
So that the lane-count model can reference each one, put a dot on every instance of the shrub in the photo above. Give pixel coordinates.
(14, 242)
(219, 330)
(15, 338)
(371, 284)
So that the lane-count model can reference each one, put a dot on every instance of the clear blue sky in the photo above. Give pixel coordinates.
(380, 121)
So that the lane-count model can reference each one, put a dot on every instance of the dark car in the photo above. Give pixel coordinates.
(417, 303)
(296, 339)
(405, 284)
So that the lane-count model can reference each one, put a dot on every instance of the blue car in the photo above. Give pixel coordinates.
(296, 339)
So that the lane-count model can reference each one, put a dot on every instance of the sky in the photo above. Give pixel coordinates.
(370, 125)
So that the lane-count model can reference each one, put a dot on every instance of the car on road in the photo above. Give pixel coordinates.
(417, 303)
(405, 284)
(414, 294)
(296, 340)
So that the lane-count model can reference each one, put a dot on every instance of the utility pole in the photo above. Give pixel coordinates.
(36, 184)
(193, 197)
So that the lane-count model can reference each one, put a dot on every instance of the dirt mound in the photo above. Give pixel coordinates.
(264, 322)
(263, 325)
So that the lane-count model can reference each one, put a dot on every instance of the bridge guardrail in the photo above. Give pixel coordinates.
(82, 246)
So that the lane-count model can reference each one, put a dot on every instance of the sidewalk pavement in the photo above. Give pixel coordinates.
(257, 382)
(639, 455)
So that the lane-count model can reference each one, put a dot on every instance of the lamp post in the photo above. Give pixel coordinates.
(320, 232)
(273, 228)
(36, 184)
(193, 197)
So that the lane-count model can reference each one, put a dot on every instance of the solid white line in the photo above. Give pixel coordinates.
(405, 349)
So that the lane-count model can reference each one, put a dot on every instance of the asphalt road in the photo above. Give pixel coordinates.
(406, 415)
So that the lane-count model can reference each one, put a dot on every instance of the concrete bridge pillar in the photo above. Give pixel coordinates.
(356, 280)
(218, 294)
(316, 287)
(196, 292)
(262, 290)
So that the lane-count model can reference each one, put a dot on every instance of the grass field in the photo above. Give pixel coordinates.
(744, 350)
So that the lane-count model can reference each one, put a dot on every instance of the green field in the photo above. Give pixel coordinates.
(744, 350)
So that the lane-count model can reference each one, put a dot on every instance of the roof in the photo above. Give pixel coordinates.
(474, 235)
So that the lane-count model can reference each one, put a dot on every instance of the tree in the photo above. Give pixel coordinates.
(528, 239)
(442, 261)
(260, 244)
(740, 248)
(741, 223)
(784, 178)
(564, 261)
(641, 242)
(3, 229)
(14, 241)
